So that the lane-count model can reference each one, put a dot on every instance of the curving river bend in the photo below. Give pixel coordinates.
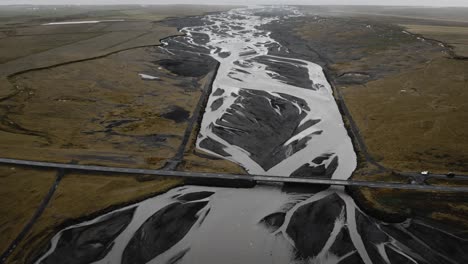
(273, 115)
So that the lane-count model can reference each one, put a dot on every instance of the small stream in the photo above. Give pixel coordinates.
(272, 115)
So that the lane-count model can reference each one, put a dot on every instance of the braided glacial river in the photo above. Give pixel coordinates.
(272, 115)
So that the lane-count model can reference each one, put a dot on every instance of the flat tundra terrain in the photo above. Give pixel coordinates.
(337, 92)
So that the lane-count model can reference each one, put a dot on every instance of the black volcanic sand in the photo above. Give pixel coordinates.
(309, 228)
(317, 170)
(261, 123)
(340, 40)
(273, 221)
(188, 60)
(176, 113)
(429, 242)
(217, 104)
(161, 231)
(311, 225)
(90, 243)
(181, 22)
(290, 72)
(179, 43)
(188, 66)
(215, 146)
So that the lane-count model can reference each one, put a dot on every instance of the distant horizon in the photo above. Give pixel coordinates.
(227, 4)
(390, 3)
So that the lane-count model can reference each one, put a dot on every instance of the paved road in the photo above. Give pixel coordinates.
(429, 176)
(221, 176)
(172, 163)
(35, 217)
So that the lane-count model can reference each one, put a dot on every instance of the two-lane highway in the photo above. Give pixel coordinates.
(234, 177)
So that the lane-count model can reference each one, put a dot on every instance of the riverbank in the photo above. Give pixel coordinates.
(403, 96)
(128, 108)
(383, 72)
(286, 212)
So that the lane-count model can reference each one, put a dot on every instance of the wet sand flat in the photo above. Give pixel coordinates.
(82, 195)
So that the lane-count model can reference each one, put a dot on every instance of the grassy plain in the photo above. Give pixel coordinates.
(406, 94)
(47, 45)
(455, 36)
(411, 121)
(72, 93)
(21, 192)
(100, 112)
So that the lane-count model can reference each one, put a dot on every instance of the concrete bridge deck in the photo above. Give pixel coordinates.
(234, 177)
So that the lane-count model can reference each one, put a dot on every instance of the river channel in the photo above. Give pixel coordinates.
(272, 115)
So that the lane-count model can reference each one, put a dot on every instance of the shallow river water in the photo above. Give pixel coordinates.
(272, 115)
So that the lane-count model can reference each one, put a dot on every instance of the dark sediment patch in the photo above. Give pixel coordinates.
(161, 231)
(89, 243)
(317, 86)
(247, 53)
(218, 92)
(308, 170)
(200, 38)
(217, 104)
(429, 241)
(384, 47)
(273, 221)
(194, 196)
(178, 45)
(176, 258)
(452, 245)
(321, 159)
(241, 71)
(215, 146)
(243, 64)
(188, 66)
(343, 244)
(178, 114)
(298, 101)
(395, 256)
(261, 123)
(311, 225)
(180, 22)
(224, 54)
(284, 33)
(371, 236)
(287, 71)
(233, 27)
(234, 78)
(273, 12)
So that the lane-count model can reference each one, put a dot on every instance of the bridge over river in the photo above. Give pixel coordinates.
(238, 177)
